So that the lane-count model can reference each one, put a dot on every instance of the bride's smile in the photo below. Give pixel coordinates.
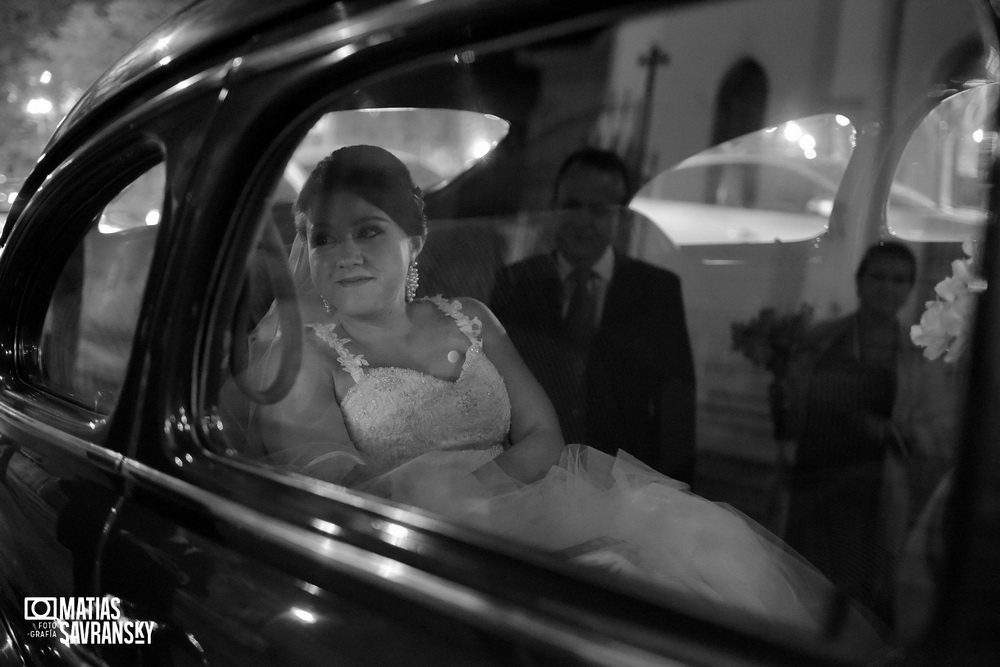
(353, 281)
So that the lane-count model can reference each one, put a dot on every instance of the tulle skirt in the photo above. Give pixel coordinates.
(618, 514)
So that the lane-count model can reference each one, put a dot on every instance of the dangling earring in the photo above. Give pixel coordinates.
(326, 304)
(412, 280)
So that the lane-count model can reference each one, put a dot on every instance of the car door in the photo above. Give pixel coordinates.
(75, 273)
(74, 282)
(243, 561)
(250, 562)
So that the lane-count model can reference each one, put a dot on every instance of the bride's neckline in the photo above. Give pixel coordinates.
(371, 373)
(355, 364)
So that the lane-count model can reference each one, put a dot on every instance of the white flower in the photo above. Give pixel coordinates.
(969, 247)
(946, 322)
(930, 333)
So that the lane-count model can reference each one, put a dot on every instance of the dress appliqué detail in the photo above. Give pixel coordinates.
(352, 363)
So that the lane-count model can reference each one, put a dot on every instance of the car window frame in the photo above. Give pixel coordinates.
(74, 195)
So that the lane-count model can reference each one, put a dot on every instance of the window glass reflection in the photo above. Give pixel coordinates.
(92, 316)
(810, 406)
(777, 184)
(939, 190)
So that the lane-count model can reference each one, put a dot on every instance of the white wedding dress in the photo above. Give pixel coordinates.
(431, 434)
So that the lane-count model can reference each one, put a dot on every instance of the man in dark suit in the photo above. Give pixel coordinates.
(604, 334)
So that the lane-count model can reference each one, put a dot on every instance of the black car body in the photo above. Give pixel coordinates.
(123, 476)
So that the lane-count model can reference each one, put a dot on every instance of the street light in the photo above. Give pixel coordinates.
(39, 106)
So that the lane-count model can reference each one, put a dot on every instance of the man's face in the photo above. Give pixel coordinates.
(885, 285)
(588, 202)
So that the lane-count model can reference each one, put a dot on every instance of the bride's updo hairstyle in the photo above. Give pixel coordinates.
(372, 173)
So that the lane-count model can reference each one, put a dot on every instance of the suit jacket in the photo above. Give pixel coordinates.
(637, 386)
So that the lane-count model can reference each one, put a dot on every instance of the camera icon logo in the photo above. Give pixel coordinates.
(40, 609)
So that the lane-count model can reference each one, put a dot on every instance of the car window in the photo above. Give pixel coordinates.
(944, 199)
(436, 145)
(792, 170)
(735, 357)
(92, 315)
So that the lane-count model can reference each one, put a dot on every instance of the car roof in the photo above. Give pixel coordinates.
(817, 171)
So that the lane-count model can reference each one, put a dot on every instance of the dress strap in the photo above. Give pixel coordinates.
(352, 363)
(470, 326)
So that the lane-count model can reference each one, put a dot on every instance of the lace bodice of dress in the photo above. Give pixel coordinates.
(395, 414)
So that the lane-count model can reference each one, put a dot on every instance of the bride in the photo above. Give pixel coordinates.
(426, 401)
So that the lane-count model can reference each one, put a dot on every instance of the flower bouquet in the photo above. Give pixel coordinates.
(946, 324)
(767, 341)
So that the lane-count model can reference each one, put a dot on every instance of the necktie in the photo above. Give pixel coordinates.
(581, 317)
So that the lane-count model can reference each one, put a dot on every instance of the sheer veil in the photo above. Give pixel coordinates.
(273, 436)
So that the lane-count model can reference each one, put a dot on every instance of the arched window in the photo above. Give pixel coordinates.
(739, 109)
(964, 66)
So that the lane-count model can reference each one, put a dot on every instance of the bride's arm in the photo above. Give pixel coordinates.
(306, 427)
(536, 439)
